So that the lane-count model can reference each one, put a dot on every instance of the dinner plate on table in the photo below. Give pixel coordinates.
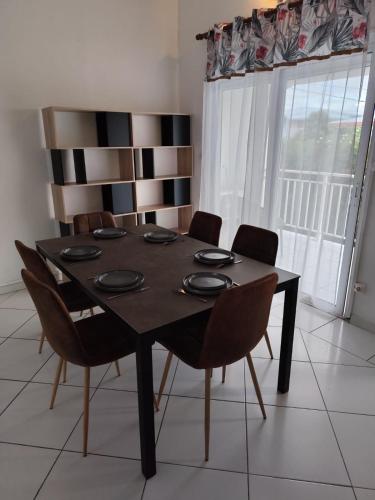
(109, 233)
(206, 283)
(120, 280)
(81, 252)
(160, 236)
(214, 256)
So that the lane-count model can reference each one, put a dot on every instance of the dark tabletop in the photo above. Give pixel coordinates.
(163, 266)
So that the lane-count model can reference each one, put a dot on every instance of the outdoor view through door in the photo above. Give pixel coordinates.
(285, 157)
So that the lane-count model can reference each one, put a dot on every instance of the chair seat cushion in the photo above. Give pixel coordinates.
(75, 299)
(185, 339)
(104, 339)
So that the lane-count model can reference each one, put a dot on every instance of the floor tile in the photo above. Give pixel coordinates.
(5, 296)
(347, 388)
(114, 426)
(75, 373)
(303, 392)
(174, 482)
(322, 351)
(356, 437)
(19, 300)
(308, 318)
(128, 379)
(28, 420)
(10, 320)
(31, 330)
(181, 439)
(190, 382)
(8, 390)
(295, 444)
(19, 359)
(93, 478)
(267, 488)
(23, 469)
(274, 333)
(349, 337)
(365, 494)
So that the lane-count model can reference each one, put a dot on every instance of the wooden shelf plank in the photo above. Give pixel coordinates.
(100, 182)
(69, 218)
(67, 109)
(154, 208)
(164, 178)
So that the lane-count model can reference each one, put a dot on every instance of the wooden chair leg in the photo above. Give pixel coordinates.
(256, 384)
(64, 372)
(41, 342)
(117, 368)
(224, 370)
(56, 383)
(164, 377)
(268, 344)
(86, 405)
(207, 408)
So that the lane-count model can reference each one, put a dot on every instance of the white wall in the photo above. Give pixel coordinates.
(87, 53)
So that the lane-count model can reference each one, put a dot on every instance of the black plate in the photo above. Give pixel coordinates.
(160, 236)
(206, 283)
(214, 256)
(81, 252)
(109, 233)
(119, 280)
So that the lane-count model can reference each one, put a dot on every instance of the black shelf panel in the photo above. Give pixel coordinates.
(177, 192)
(148, 163)
(80, 166)
(118, 198)
(175, 130)
(114, 129)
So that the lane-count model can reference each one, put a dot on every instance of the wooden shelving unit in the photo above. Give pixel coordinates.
(108, 150)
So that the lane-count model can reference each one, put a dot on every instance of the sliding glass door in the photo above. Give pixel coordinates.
(280, 150)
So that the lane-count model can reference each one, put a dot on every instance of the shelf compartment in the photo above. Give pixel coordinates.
(175, 130)
(177, 192)
(118, 198)
(159, 163)
(161, 206)
(114, 129)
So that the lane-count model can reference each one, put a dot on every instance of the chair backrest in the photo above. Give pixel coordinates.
(238, 321)
(256, 243)
(205, 227)
(36, 264)
(56, 321)
(87, 223)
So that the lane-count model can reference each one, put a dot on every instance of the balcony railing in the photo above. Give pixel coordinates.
(315, 203)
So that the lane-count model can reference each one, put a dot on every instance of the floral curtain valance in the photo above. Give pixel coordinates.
(288, 34)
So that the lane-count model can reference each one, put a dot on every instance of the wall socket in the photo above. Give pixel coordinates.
(359, 287)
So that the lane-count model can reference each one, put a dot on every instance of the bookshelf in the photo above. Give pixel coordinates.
(137, 165)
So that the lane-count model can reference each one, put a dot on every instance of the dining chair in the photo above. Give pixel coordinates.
(87, 223)
(258, 244)
(205, 227)
(237, 323)
(74, 299)
(89, 342)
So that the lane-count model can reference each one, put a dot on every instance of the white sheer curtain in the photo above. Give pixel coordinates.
(279, 151)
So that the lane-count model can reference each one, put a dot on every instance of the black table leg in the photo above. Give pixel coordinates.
(287, 334)
(146, 407)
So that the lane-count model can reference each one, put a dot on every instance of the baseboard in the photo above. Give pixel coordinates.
(362, 323)
(11, 287)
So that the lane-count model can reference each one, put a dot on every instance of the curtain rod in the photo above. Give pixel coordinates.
(227, 26)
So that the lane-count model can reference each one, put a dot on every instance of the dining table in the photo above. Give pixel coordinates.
(158, 306)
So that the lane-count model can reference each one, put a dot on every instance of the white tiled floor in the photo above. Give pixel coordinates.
(317, 442)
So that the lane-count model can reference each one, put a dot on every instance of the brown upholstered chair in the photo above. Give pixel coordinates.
(89, 342)
(72, 296)
(205, 227)
(258, 244)
(237, 323)
(87, 223)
